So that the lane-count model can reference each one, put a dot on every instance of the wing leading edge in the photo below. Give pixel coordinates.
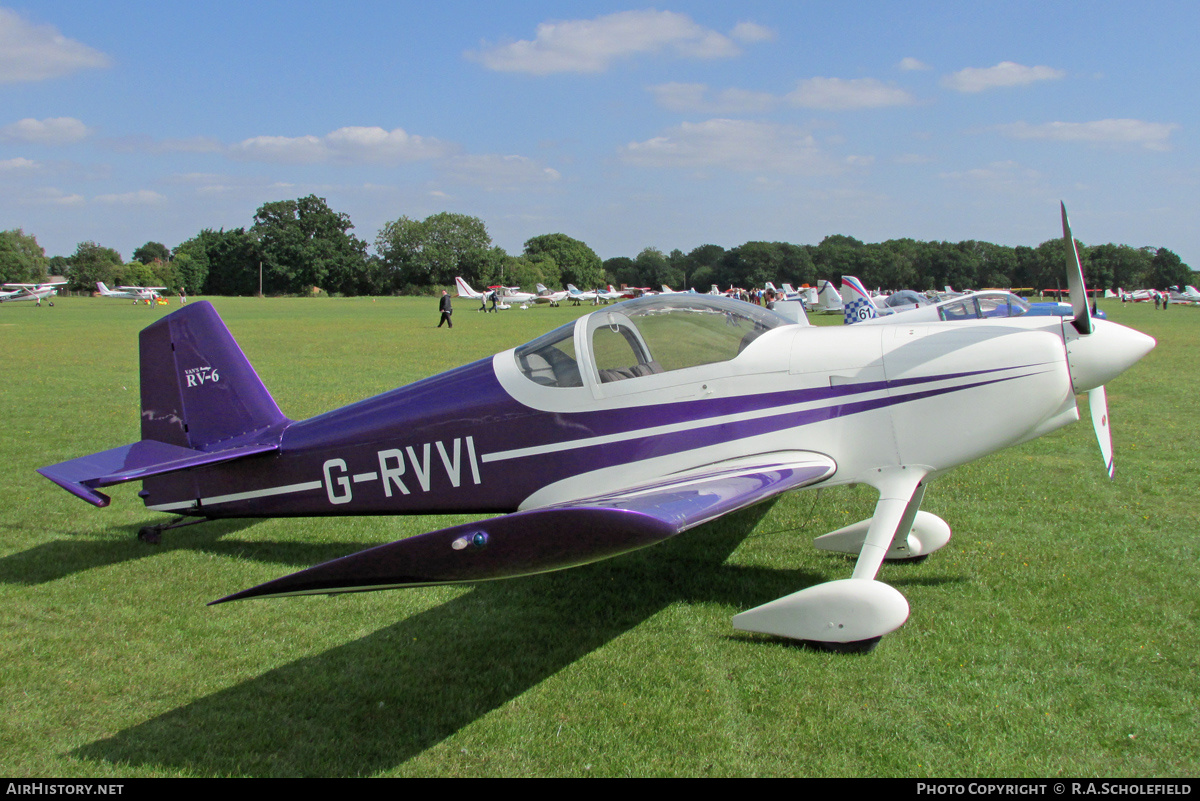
(560, 536)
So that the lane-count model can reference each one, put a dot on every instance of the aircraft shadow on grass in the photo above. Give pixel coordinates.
(56, 560)
(374, 703)
(61, 558)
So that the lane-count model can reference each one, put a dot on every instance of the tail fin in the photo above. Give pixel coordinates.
(828, 298)
(856, 301)
(465, 291)
(198, 389)
(202, 404)
(104, 290)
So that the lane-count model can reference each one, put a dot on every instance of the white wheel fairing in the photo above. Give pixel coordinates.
(848, 610)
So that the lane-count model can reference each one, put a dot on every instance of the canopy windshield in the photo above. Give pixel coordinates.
(650, 335)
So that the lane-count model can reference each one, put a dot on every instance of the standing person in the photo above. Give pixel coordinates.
(182, 297)
(446, 310)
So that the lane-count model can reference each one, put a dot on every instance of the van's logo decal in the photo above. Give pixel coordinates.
(198, 376)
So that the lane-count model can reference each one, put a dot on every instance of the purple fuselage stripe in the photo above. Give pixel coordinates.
(433, 429)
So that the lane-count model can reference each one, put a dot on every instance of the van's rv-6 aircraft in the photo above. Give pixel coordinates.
(613, 432)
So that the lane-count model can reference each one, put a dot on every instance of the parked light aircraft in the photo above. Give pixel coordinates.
(137, 294)
(985, 304)
(577, 295)
(546, 296)
(828, 298)
(858, 304)
(614, 432)
(505, 295)
(34, 292)
(1188, 295)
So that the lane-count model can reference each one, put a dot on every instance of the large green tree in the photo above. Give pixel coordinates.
(225, 262)
(151, 251)
(577, 263)
(433, 251)
(22, 259)
(91, 263)
(1169, 269)
(306, 244)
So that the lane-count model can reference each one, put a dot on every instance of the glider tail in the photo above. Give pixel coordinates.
(856, 301)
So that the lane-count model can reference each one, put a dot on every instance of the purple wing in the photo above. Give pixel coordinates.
(555, 537)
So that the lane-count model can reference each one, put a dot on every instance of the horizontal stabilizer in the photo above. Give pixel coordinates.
(140, 460)
(556, 537)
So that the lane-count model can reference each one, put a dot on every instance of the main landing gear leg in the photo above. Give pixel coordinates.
(851, 614)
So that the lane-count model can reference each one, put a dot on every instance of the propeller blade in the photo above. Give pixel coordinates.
(1098, 403)
(1079, 300)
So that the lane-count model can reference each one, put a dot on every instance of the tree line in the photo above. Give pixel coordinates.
(296, 245)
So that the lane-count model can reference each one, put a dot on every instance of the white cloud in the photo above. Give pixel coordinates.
(839, 94)
(998, 176)
(350, 145)
(1150, 135)
(19, 163)
(695, 97)
(732, 144)
(591, 45)
(1006, 73)
(54, 197)
(495, 172)
(31, 52)
(910, 64)
(142, 197)
(752, 32)
(50, 131)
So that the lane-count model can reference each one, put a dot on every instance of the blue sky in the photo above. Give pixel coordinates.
(621, 124)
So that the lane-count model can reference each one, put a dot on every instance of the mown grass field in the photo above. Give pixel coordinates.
(1056, 634)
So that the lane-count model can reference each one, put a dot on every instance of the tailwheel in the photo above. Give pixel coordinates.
(153, 534)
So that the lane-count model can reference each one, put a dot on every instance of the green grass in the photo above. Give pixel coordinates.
(1055, 635)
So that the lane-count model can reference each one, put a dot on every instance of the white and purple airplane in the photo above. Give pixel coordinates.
(611, 433)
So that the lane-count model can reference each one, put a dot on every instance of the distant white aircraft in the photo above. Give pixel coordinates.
(1188, 295)
(828, 299)
(137, 294)
(34, 292)
(505, 295)
(595, 296)
(546, 296)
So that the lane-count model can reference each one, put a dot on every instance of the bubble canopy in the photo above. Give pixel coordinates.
(647, 336)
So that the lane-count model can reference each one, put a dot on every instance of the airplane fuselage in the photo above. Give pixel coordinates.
(487, 438)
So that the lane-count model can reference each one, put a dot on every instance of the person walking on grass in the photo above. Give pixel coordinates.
(446, 310)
